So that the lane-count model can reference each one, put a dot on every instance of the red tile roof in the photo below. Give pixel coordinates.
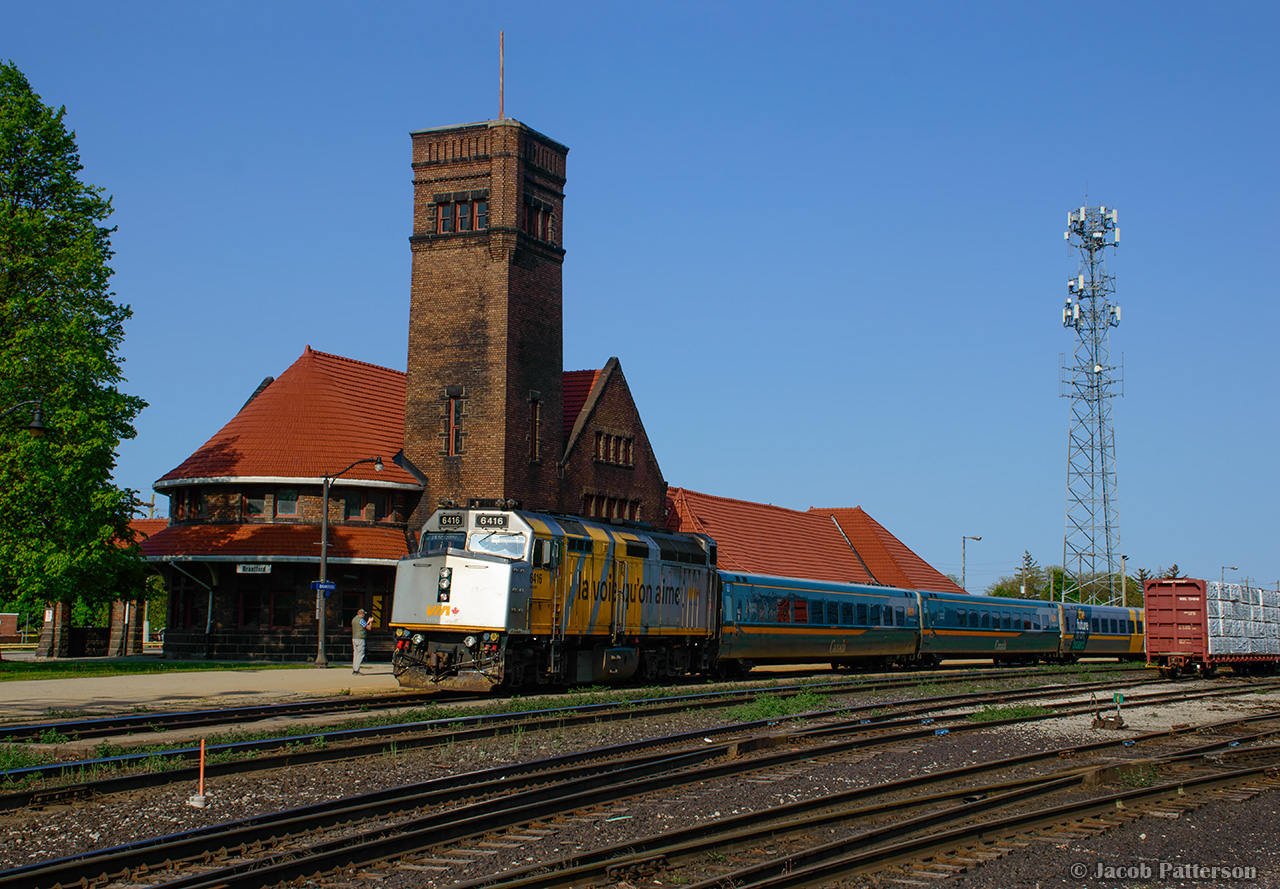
(295, 542)
(577, 386)
(318, 416)
(757, 538)
(888, 559)
(144, 528)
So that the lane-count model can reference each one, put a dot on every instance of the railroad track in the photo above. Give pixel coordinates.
(426, 816)
(114, 725)
(331, 746)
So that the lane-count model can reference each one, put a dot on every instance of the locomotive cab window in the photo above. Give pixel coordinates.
(546, 553)
(436, 543)
(509, 545)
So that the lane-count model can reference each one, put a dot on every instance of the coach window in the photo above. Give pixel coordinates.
(784, 611)
(1115, 626)
(1035, 621)
(846, 613)
(1095, 626)
(1138, 628)
(888, 616)
(962, 618)
(1006, 620)
(833, 613)
(862, 615)
(801, 611)
(901, 615)
(875, 615)
(986, 620)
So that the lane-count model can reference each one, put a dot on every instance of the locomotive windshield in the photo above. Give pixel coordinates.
(435, 543)
(499, 543)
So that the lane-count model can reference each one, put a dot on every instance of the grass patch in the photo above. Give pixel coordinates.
(1014, 711)
(778, 706)
(96, 667)
(21, 756)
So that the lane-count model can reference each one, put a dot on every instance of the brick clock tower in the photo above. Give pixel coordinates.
(484, 398)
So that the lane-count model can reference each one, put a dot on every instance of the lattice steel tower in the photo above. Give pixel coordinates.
(1091, 545)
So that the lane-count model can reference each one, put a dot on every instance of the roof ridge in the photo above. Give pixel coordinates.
(747, 502)
(317, 352)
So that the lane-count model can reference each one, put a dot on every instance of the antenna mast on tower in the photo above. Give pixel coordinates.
(1091, 545)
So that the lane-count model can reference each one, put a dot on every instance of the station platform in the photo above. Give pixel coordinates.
(33, 700)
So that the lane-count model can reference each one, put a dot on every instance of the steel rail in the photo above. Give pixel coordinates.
(428, 733)
(160, 721)
(87, 866)
(107, 726)
(818, 866)
(636, 854)
(493, 815)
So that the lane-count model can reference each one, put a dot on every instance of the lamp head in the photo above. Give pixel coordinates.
(37, 427)
(377, 464)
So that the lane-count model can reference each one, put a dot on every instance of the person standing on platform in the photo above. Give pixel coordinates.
(359, 632)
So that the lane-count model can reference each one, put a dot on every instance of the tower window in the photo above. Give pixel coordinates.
(461, 216)
(535, 422)
(453, 438)
(537, 218)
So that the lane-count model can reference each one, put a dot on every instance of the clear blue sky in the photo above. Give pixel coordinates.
(824, 240)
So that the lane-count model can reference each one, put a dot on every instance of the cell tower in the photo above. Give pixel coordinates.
(1091, 545)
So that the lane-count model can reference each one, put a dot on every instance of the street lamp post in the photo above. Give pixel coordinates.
(321, 592)
(963, 578)
(36, 427)
(1124, 580)
(1222, 575)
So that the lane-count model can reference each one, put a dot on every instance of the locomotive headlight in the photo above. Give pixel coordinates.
(418, 638)
(446, 577)
(469, 641)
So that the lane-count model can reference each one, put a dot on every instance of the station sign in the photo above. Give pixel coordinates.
(253, 569)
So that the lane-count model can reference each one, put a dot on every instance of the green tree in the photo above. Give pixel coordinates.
(1030, 578)
(64, 532)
